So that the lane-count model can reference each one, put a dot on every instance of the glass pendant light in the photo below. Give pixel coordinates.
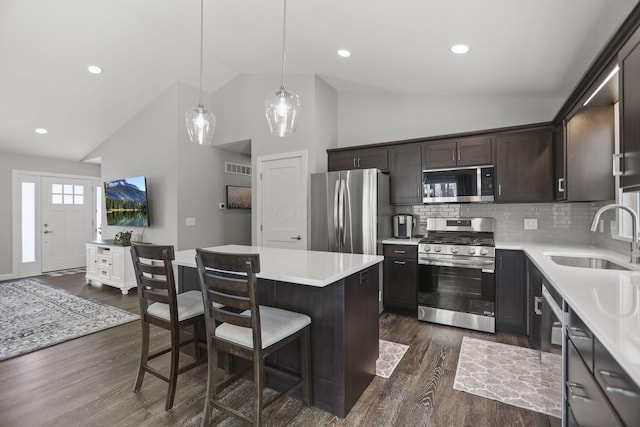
(282, 107)
(201, 123)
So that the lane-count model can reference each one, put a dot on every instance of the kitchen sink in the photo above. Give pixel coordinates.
(587, 262)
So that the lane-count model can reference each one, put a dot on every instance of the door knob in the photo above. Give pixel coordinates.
(298, 237)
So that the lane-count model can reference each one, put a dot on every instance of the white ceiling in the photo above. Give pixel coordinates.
(519, 48)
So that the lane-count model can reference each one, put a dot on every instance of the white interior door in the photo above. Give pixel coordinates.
(67, 211)
(282, 200)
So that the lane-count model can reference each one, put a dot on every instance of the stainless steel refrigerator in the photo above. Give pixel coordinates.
(350, 211)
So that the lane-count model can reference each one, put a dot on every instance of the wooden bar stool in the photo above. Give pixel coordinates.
(236, 324)
(160, 305)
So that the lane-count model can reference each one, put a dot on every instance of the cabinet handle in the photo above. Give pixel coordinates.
(399, 262)
(560, 185)
(453, 155)
(499, 189)
(609, 374)
(617, 164)
(537, 305)
(458, 154)
(358, 161)
(354, 162)
(571, 386)
(623, 391)
(578, 333)
(398, 251)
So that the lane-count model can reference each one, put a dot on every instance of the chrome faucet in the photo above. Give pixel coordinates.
(635, 244)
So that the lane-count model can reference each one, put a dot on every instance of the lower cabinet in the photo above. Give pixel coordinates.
(598, 391)
(511, 292)
(110, 264)
(400, 291)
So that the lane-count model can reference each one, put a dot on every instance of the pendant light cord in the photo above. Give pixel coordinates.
(284, 26)
(201, 47)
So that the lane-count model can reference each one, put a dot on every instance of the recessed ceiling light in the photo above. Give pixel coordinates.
(460, 49)
(344, 53)
(41, 131)
(94, 69)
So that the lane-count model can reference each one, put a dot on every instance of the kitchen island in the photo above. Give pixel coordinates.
(339, 292)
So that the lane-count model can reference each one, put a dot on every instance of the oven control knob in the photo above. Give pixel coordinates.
(472, 251)
(454, 250)
(427, 248)
(437, 249)
(483, 251)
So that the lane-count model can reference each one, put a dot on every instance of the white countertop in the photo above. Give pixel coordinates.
(311, 268)
(608, 301)
(394, 241)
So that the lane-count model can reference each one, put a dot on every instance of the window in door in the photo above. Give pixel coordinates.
(98, 212)
(28, 221)
(66, 194)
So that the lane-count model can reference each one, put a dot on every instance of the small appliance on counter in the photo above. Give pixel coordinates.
(403, 226)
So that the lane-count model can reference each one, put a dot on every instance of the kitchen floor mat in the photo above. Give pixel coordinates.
(390, 354)
(517, 376)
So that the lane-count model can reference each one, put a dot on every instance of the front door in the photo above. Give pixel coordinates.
(282, 200)
(67, 210)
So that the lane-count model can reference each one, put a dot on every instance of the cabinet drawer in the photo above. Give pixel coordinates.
(103, 261)
(621, 390)
(582, 338)
(104, 272)
(588, 404)
(401, 251)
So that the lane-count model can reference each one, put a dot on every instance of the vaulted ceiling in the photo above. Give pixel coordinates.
(518, 49)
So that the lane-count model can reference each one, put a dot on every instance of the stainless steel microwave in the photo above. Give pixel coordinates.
(458, 185)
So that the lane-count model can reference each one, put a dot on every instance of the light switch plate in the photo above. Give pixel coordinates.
(530, 224)
(190, 221)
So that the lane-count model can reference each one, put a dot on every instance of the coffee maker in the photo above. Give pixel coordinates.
(403, 226)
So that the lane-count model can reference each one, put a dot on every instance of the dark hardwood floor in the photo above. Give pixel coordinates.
(89, 382)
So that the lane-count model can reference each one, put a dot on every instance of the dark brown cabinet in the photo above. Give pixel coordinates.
(524, 166)
(511, 292)
(629, 60)
(363, 158)
(405, 174)
(535, 280)
(400, 278)
(472, 151)
(583, 153)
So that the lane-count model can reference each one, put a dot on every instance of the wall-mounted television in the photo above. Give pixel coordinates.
(126, 202)
(238, 197)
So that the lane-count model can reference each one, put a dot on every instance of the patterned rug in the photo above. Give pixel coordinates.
(66, 272)
(390, 354)
(35, 315)
(511, 374)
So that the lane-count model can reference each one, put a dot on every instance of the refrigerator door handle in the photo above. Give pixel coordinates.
(341, 214)
(336, 197)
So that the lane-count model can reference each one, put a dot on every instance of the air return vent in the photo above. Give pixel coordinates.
(237, 168)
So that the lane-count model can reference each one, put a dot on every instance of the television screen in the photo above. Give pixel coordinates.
(238, 197)
(126, 202)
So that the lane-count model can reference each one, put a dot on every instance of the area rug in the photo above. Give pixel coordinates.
(35, 315)
(511, 374)
(390, 354)
(66, 272)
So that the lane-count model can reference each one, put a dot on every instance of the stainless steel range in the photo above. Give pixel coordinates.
(456, 264)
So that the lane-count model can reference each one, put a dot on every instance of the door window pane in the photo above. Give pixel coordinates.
(28, 222)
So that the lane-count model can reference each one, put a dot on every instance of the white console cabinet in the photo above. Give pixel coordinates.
(110, 264)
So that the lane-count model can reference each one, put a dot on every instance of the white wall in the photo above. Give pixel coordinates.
(9, 162)
(146, 145)
(369, 118)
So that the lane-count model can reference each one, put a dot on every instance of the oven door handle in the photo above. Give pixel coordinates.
(486, 266)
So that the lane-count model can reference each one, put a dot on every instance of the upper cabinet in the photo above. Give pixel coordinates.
(362, 158)
(629, 60)
(405, 174)
(524, 166)
(586, 152)
(472, 151)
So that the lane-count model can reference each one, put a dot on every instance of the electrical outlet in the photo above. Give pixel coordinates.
(530, 224)
(190, 221)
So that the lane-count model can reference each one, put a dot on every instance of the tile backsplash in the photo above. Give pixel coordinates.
(557, 222)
